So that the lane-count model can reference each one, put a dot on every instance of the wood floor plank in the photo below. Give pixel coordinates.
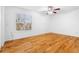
(45, 43)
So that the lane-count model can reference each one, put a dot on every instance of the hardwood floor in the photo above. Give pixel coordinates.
(45, 43)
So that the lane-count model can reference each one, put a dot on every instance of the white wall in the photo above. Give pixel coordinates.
(39, 23)
(66, 23)
(0, 26)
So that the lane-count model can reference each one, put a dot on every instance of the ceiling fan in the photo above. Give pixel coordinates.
(50, 10)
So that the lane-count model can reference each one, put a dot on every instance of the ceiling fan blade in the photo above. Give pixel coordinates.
(54, 12)
(43, 12)
(57, 9)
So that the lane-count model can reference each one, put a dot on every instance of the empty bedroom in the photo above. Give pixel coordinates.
(39, 29)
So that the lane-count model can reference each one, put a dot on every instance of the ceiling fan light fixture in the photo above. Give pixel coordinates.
(49, 12)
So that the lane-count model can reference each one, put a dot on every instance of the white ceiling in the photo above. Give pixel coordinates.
(63, 8)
